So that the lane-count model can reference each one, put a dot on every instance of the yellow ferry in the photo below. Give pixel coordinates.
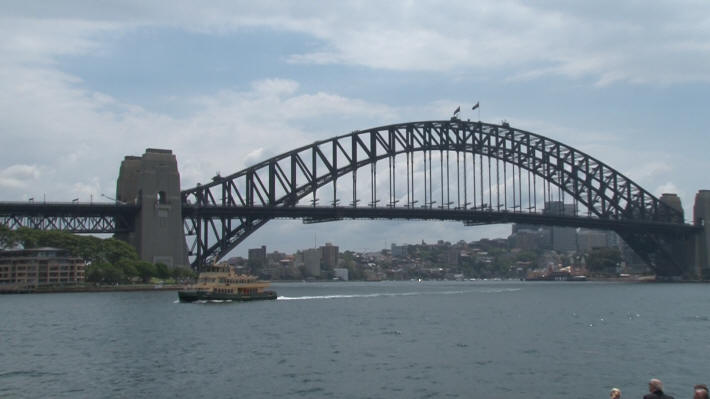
(221, 283)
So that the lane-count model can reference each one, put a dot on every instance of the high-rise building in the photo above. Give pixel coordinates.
(527, 239)
(590, 239)
(257, 257)
(399, 251)
(562, 239)
(311, 261)
(329, 254)
(453, 256)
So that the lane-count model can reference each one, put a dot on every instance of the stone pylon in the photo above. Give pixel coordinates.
(152, 181)
(701, 218)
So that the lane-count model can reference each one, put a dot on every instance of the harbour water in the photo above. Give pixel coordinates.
(480, 339)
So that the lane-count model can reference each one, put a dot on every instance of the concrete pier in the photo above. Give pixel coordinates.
(680, 249)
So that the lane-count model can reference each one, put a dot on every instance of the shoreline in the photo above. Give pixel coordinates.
(88, 288)
(177, 287)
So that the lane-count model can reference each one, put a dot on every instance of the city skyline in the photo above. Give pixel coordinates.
(229, 85)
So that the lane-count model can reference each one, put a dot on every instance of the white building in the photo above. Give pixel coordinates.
(341, 273)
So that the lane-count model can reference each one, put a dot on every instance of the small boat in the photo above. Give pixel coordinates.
(221, 283)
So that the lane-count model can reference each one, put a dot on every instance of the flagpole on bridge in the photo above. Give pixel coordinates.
(477, 106)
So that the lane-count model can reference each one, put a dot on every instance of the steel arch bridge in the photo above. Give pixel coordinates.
(473, 172)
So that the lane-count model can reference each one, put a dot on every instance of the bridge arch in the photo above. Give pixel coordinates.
(286, 180)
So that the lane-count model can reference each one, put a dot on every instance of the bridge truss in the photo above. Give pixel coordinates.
(93, 218)
(449, 170)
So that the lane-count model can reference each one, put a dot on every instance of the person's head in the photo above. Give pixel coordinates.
(615, 393)
(701, 386)
(655, 385)
(700, 393)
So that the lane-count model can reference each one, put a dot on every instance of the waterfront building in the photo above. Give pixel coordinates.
(453, 256)
(561, 239)
(399, 251)
(311, 262)
(40, 266)
(520, 227)
(272, 271)
(257, 258)
(341, 273)
(590, 239)
(527, 239)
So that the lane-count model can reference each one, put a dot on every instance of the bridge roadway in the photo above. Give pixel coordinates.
(470, 216)
(104, 217)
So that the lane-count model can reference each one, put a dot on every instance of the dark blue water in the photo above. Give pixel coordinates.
(361, 340)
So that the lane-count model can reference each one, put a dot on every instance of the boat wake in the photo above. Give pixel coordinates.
(297, 298)
(394, 294)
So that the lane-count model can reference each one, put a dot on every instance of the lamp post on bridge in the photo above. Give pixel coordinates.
(113, 199)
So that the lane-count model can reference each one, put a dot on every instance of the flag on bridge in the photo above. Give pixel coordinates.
(475, 106)
(458, 109)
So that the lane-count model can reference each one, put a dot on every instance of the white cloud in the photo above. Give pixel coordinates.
(78, 135)
(667, 187)
(630, 42)
(40, 41)
(89, 190)
(650, 169)
(18, 176)
(254, 156)
(275, 87)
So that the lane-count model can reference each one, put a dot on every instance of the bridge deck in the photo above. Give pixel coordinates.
(315, 214)
(26, 214)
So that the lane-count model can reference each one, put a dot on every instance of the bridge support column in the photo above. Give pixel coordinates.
(701, 217)
(152, 181)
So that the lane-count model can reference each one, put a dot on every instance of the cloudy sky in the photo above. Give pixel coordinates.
(84, 83)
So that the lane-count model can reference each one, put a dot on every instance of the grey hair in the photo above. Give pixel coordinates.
(656, 384)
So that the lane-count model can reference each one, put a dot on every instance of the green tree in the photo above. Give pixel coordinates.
(162, 270)
(89, 248)
(128, 267)
(354, 272)
(603, 260)
(145, 270)
(94, 274)
(104, 273)
(112, 274)
(183, 273)
(112, 250)
(526, 256)
(8, 238)
(28, 238)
